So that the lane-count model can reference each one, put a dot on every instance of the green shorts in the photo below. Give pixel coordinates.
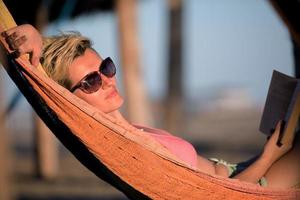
(234, 169)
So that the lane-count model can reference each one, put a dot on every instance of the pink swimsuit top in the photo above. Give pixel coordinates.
(178, 146)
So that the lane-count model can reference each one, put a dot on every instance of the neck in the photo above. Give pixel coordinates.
(119, 117)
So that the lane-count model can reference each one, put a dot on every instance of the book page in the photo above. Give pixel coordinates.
(279, 98)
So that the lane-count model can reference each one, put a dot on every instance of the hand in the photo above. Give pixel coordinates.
(272, 151)
(24, 39)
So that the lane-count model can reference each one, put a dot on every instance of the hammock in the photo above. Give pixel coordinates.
(123, 156)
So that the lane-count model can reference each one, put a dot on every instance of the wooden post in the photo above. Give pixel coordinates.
(5, 156)
(46, 151)
(137, 103)
(173, 100)
(46, 145)
(5, 173)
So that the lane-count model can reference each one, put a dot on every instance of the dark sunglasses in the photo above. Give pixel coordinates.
(92, 81)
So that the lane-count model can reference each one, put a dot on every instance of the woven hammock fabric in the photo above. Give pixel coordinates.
(123, 156)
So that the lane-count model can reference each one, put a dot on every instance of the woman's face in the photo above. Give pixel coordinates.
(107, 98)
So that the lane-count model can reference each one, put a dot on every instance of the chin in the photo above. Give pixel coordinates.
(113, 105)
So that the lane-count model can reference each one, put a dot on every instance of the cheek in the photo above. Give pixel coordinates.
(97, 100)
(93, 99)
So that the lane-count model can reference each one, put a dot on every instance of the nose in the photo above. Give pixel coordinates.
(106, 81)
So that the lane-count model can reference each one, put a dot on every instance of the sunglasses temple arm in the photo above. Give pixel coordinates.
(75, 88)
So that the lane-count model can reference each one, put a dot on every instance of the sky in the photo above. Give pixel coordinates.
(235, 44)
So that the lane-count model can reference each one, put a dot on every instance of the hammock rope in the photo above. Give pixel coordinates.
(123, 156)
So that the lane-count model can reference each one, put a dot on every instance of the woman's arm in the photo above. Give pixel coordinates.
(205, 165)
(24, 39)
(270, 155)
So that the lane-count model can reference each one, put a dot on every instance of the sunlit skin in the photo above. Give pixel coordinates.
(107, 98)
(271, 163)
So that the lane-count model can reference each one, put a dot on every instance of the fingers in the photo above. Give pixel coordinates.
(278, 125)
(277, 129)
(4, 34)
(20, 41)
(35, 61)
(14, 41)
(35, 57)
(9, 32)
(24, 39)
(10, 40)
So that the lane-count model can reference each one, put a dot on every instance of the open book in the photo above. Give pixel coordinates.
(282, 103)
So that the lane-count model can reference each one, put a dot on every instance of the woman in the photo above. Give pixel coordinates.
(71, 61)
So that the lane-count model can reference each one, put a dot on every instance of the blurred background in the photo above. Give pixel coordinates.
(199, 69)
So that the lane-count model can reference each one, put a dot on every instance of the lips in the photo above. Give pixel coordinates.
(111, 94)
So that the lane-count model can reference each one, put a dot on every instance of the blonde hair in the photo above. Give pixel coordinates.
(58, 54)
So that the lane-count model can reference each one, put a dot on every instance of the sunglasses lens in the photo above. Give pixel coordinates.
(108, 68)
(91, 83)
